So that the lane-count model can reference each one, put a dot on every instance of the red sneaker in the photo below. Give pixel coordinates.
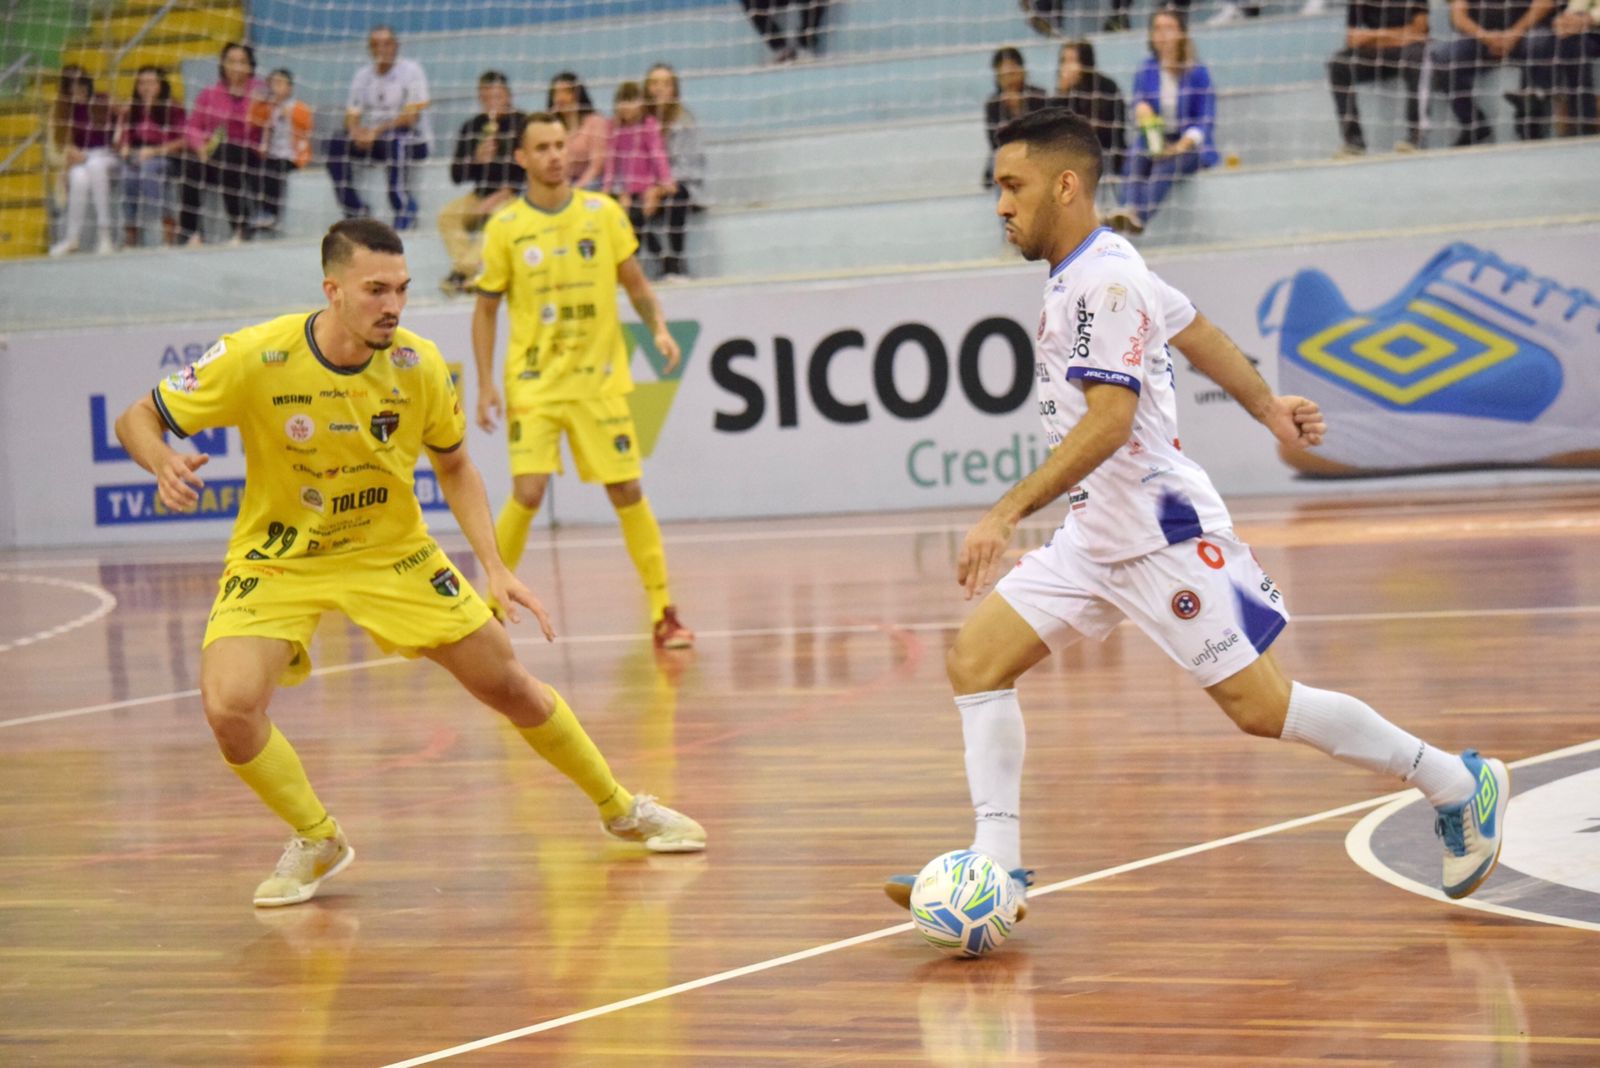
(670, 633)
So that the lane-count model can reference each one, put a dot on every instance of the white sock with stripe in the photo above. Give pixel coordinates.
(991, 723)
(1349, 729)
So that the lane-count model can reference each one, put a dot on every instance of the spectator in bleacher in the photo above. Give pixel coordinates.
(149, 140)
(1383, 40)
(483, 160)
(587, 129)
(1577, 46)
(1175, 111)
(686, 158)
(287, 122)
(385, 121)
(224, 145)
(1012, 98)
(80, 142)
(805, 45)
(637, 172)
(1492, 33)
(1084, 90)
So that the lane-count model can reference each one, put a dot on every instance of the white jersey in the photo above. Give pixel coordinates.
(1107, 319)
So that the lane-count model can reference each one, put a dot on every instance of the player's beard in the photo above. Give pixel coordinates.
(376, 345)
(1035, 244)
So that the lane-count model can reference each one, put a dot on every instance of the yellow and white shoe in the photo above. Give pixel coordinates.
(659, 828)
(305, 864)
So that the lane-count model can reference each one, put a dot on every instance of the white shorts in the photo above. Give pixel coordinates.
(1205, 601)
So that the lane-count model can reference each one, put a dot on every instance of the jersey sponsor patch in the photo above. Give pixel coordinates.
(273, 357)
(300, 427)
(184, 381)
(532, 256)
(311, 498)
(404, 359)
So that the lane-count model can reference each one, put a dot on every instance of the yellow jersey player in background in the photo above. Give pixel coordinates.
(334, 409)
(558, 254)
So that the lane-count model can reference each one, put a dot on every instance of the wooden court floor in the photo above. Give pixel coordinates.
(487, 922)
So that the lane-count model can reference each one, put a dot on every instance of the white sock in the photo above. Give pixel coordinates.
(1347, 728)
(991, 723)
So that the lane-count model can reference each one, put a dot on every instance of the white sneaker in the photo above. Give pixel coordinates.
(61, 248)
(1473, 831)
(305, 863)
(106, 247)
(659, 828)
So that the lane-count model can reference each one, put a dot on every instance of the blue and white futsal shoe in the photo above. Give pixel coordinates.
(1472, 832)
(1475, 363)
(898, 887)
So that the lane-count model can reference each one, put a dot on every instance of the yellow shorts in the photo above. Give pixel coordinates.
(600, 432)
(409, 598)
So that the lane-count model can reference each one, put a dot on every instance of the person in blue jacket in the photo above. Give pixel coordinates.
(1175, 111)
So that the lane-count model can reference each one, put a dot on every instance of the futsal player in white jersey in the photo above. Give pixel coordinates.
(1146, 536)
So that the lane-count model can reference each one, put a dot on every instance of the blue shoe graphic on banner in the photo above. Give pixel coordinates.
(1475, 363)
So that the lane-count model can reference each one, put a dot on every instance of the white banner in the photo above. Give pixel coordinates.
(868, 395)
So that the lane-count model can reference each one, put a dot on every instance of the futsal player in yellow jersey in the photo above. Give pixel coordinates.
(334, 409)
(557, 256)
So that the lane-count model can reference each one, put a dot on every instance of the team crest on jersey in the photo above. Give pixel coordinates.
(445, 582)
(384, 424)
(586, 249)
(300, 427)
(623, 443)
(547, 314)
(311, 498)
(591, 203)
(532, 256)
(1116, 297)
(404, 358)
(1186, 604)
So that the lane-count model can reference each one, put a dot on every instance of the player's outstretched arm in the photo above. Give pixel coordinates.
(463, 488)
(1295, 421)
(643, 298)
(143, 434)
(485, 320)
(1102, 431)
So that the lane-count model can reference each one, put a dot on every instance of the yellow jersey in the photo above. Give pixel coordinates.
(329, 451)
(558, 271)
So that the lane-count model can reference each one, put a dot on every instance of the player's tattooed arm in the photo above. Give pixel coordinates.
(1103, 430)
(643, 298)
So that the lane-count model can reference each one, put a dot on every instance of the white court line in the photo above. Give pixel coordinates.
(885, 932)
(106, 603)
(1358, 843)
(778, 632)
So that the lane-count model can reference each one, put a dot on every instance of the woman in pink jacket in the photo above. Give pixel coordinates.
(224, 139)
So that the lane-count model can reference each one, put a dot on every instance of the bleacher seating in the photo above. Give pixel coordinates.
(873, 157)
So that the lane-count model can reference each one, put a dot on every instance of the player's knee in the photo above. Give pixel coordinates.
(231, 704)
(516, 695)
(529, 494)
(969, 672)
(1257, 717)
(623, 494)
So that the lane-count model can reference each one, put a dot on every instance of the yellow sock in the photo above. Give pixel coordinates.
(511, 531)
(561, 741)
(278, 778)
(643, 538)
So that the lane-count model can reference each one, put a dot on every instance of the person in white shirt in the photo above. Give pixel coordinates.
(385, 121)
(1577, 32)
(1146, 536)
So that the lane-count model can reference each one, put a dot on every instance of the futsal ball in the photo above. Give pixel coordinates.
(964, 903)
